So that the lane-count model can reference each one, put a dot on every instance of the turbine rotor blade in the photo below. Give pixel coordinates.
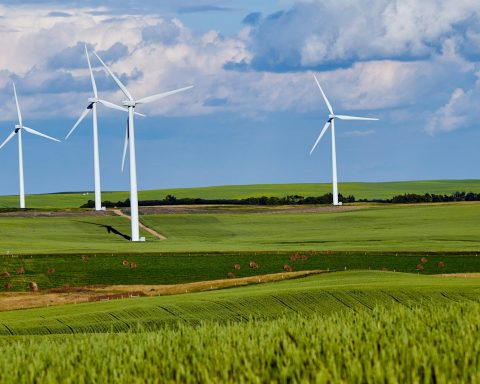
(18, 106)
(8, 138)
(94, 85)
(125, 145)
(344, 117)
(34, 132)
(324, 97)
(149, 99)
(80, 119)
(108, 104)
(325, 127)
(115, 78)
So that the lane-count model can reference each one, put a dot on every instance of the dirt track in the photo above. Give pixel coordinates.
(71, 295)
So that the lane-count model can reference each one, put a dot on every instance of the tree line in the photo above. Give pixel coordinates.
(407, 198)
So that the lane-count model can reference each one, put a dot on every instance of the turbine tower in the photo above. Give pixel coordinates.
(131, 103)
(92, 106)
(331, 123)
(18, 131)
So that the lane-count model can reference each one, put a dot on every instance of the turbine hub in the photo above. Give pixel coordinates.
(129, 103)
(331, 117)
(17, 127)
(93, 100)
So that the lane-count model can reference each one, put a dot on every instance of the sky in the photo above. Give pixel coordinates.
(255, 110)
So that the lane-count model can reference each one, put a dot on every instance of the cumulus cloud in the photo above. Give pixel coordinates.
(330, 33)
(399, 55)
(460, 111)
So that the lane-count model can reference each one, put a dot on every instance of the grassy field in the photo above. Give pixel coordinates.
(359, 190)
(412, 228)
(360, 326)
(155, 269)
(387, 345)
(320, 294)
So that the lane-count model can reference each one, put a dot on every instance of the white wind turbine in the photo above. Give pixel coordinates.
(92, 106)
(331, 122)
(18, 131)
(131, 103)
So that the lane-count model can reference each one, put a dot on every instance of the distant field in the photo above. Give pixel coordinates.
(412, 228)
(321, 294)
(175, 268)
(359, 190)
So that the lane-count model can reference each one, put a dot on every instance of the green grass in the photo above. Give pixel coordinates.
(359, 190)
(321, 294)
(414, 228)
(185, 268)
(425, 344)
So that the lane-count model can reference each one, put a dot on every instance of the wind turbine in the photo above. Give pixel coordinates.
(18, 131)
(131, 103)
(331, 123)
(92, 106)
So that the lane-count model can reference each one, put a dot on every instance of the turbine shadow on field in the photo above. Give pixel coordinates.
(109, 229)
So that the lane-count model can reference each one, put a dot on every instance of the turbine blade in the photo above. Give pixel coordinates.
(108, 104)
(325, 127)
(149, 99)
(324, 97)
(18, 106)
(344, 117)
(115, 78)
(125, 145)
(80, 119)
(33, 132)
(94, 85)
(8, 139)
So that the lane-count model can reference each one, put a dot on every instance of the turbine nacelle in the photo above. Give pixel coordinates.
(129, 103)
(17, 127)
(93, 100)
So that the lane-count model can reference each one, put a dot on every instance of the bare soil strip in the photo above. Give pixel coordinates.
(119, 212)
(471, 275)
(70, 295)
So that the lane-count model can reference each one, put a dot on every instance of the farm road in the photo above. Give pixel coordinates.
(149, 230)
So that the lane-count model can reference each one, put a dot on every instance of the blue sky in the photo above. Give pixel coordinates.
(255, 110)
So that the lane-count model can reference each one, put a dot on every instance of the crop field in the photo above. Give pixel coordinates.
(359, 190)
(321, 294)
(422, 344)
(178, 268)
(347, 326)
(414, 228)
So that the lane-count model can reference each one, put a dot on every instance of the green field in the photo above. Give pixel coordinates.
(421, 228)
(360, 326)
(360, 190)
(398, 345)
(181, 268)
(321, 294)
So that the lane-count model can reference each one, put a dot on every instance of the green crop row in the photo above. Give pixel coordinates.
(425, 343)
(321, 294)
(73, 270)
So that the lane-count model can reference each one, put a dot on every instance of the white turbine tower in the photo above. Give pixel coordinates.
(331, 123)
(18, 131)
(131, 103)
(92, 106)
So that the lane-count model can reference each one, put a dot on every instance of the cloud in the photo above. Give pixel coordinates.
(326, 34)
(252, 18)
(166, 32)
(203, 8)
(59, 14)
(459, 112)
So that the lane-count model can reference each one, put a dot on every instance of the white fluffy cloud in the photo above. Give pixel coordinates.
(374, 55)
